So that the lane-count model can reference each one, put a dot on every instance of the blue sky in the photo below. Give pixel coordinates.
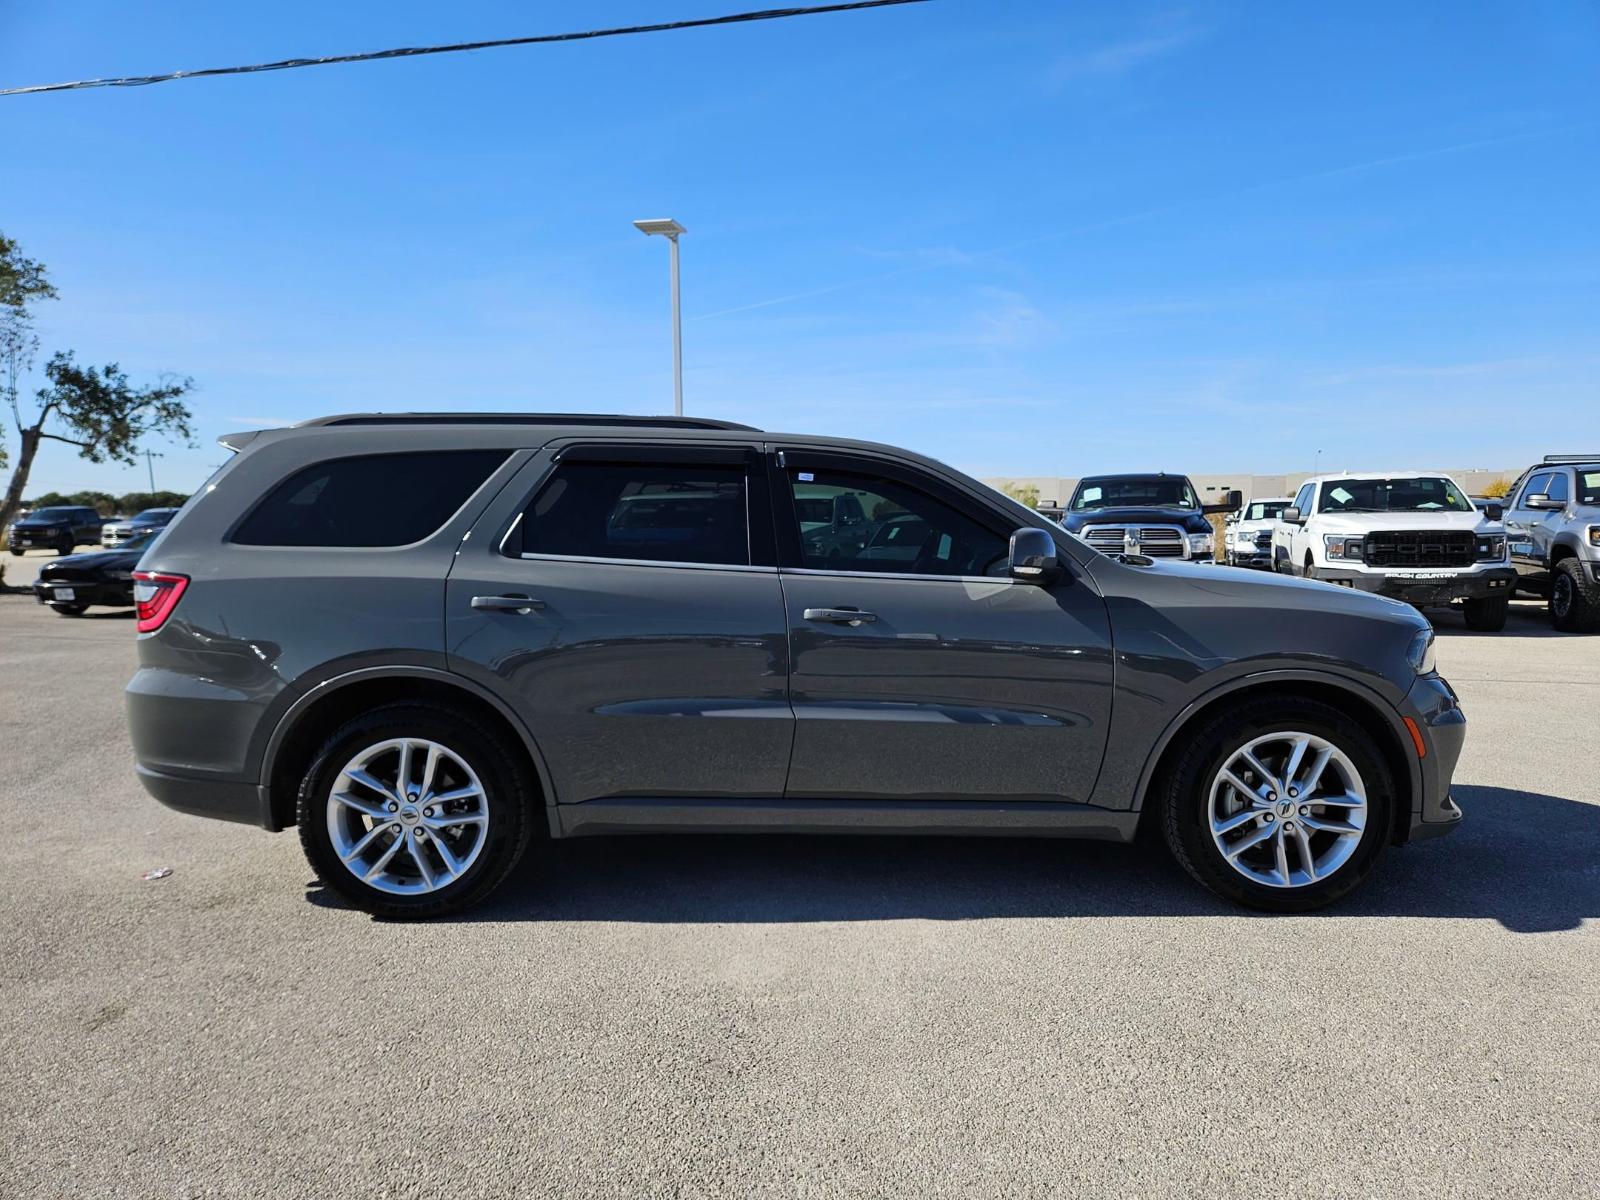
(1028, 238)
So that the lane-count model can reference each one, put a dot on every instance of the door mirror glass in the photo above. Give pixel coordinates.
(1034, 556)
(1292, 516)
(1494, 510)
(1541, 500)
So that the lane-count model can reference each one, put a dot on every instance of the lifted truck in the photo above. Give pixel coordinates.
(1409, 535)
(1553, 522)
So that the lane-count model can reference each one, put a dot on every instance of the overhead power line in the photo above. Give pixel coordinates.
(770, 14)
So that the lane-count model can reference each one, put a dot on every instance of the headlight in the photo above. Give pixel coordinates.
(1200, 541)
(1492, 547)
(1420, 654)
(1594, 535)
(1338, 546)
(1244, 537)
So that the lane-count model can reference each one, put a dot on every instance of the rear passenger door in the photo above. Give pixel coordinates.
(920, 669)
(624, 598)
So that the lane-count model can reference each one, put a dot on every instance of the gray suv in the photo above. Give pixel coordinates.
(424, 640)
(1553, 524)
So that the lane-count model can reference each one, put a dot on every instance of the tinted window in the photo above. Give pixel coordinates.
(1141, 493)
(1558, 487)
(151, 516)
(1302, 500)
(852, 522)
(659, 512)
(1266, 510)
(375, 500)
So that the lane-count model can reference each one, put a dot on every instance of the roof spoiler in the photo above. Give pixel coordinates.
(238, 441)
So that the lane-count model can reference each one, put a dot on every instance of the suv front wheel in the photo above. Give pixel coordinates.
(412, 811)
(1280, 804)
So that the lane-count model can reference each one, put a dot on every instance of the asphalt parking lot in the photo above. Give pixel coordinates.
(729, 1017)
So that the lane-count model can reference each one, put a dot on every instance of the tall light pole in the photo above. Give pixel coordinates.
(151, 467)
(1316, 464)
(671, 230)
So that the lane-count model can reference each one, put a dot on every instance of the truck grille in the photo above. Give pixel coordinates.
(1264, 540)
(1410, 548)
(1156, 541)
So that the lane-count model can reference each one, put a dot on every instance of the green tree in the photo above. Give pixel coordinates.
(23, 282)
(98, 411)
(1023, 493)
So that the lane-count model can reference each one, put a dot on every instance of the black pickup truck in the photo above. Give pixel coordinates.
(1156, 515)
(61, 528)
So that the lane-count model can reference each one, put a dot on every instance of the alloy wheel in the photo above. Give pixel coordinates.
(407, 816)
(1561, 596)
(1287, 809)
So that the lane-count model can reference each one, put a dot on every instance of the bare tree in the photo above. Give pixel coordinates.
(96, 410)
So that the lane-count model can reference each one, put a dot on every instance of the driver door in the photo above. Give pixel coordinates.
(919, 670)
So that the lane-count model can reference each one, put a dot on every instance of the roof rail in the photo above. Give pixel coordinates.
(492, 418)
(1572, 458)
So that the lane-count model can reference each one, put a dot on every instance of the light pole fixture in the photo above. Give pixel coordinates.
(671, 230)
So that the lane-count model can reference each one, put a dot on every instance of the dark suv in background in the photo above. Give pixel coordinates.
(425, 639)
(61, 528)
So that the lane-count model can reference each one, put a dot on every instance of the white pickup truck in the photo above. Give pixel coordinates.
(1410, 535)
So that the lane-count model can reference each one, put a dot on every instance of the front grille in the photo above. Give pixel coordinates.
(1264, 540)
(1414, 548)
(1156, 541)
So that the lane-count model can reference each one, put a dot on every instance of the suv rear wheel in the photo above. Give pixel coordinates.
(1574, 598)
(412, 811)
(1280, 804)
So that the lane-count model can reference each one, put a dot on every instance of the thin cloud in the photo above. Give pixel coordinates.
(1119, 58)
(1140, 215)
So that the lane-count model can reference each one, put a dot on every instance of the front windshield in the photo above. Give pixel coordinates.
(1265, 510)
(153, 514)
(49, 514)
(1589, 487)
(1426, 493)
(1133, 493)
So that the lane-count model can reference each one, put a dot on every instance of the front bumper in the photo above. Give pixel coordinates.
(1425, 587)
(1432, 704)
(40, 539)
(118, 594)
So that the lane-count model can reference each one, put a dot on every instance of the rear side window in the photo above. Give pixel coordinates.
(653, 511)
(374, 500)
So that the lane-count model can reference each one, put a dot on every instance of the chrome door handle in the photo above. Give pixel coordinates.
(839, 616)
(522, 605)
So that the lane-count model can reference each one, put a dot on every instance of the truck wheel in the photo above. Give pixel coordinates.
(1574, 598)
(411, 810)
(1280, 803)
(1487, 614)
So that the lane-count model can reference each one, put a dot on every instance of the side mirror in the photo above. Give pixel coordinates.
(1293, 516)
(1231, 519)
(1034, 556)
(1541, 500)
(1494, 510)
(1235, 500)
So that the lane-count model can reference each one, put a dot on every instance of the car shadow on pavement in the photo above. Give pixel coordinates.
(1525, 860)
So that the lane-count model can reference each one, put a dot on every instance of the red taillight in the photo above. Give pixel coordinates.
(155, 596)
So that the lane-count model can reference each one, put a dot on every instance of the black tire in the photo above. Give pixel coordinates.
(1486, 614)
(65, 548)
(1182, 791)
(18, 552)
(71, 610)
(1574, 598)
(1311, 569)
(510, 797)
